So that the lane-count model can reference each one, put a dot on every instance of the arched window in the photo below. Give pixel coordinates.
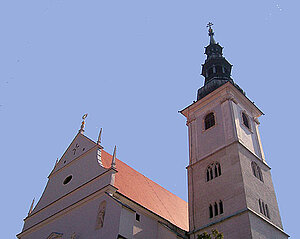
(260, 206)
(267, 211)
(209, 120)
(216, 171)
(210, 211)
(213, 171)
(254, 168)
(221, 207)
(263, 208)
(256, 171)
(216, 209)
(207, 175)
(259, 174)
(245, 120)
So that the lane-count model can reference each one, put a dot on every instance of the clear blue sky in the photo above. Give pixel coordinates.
(131, 65)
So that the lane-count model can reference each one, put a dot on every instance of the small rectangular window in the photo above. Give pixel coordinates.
(137, 217)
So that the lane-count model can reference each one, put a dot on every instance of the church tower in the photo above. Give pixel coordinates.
(229, 181)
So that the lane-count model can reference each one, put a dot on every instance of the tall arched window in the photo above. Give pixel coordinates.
(213, 171)
(221, 207)
(209, 120)
(263, 208)
(259, 174)
(207, 175)
(256, 171)
(267, 211)
(245, 120)
(260, 206)
(216, 209)
(216, 171)
(210, 211)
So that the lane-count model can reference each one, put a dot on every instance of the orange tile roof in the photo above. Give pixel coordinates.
(149, 194)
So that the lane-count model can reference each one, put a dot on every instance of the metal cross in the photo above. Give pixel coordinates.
(209, 24)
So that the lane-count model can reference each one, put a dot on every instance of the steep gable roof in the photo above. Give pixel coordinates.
(148, 194)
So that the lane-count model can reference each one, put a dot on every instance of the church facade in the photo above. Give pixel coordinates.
(91, 194)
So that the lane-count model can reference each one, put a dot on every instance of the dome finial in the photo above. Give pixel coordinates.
(211, 33)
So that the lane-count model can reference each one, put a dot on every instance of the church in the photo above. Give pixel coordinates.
(92, 194)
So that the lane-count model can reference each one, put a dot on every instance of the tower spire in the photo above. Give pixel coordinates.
(113, 161)
(83, 123)
(216, 69)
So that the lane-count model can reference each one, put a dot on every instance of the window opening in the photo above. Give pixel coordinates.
(245, 120)
(137, 217)
(207, 175)
(216, 209)
(67, 179)
(209, 120)
(216, 171)
(257, 171)
(210, 211)
(219, 169)
(260, 209)
(267, 211)
(219, 69)
(263, 208)
(221, 206)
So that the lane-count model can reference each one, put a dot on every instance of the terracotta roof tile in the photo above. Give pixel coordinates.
(149, 194)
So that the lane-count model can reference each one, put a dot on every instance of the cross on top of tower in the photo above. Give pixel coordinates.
(211, 32)
(209, 24)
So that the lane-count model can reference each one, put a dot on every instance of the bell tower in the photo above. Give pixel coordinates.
(229, 181)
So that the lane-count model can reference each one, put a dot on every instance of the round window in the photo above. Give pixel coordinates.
(67, 179)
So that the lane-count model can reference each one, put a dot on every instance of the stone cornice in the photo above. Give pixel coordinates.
(225, 146)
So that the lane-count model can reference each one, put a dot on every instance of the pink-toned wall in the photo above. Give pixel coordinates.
(82, 221)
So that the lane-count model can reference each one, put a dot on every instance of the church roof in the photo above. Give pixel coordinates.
(148, 194)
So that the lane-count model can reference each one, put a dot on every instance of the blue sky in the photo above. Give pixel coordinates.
(131, 65)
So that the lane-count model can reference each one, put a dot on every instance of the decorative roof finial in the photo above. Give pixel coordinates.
(82, 123)
(113, 161)
(31, 207)
(211, 33)
(99, 137)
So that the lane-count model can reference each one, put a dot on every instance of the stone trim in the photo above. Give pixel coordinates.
(234, 215)
(224, 146)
